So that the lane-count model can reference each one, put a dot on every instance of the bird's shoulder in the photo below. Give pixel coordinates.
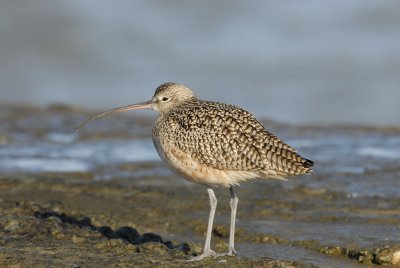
(200, 114)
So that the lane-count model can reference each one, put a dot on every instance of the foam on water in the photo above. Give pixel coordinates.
(378, 152)
(61, 137)
(342, 158)
(74, 157)
(43, 165)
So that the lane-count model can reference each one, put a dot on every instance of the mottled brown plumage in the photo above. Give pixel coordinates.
(215, 144)
(221, 138)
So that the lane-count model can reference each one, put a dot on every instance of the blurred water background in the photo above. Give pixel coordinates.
(303, 62)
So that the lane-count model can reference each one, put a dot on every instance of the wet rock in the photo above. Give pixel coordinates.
(396, 258)
(169, 244)
(387, 255)
(107, 232)
(127, 233)
(84, 222)
(150, 237)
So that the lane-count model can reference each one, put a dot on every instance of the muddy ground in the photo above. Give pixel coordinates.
(135, 213)
(72, 221)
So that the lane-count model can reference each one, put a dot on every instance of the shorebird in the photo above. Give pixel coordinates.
(215, 144)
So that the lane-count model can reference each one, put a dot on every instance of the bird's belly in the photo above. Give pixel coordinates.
(194, 171)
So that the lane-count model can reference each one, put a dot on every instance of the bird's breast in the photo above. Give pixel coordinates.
(163, 132)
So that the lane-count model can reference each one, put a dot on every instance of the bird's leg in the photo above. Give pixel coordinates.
(234, 202)
(207, 252)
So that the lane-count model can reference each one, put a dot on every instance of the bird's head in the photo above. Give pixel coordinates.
(166, 97)
(169, 95)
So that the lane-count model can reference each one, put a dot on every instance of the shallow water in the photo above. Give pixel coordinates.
(351, 200)
(298, 254)
(316, 62)
(345, 157)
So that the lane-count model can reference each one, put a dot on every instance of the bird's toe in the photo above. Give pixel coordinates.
(231, 252)
(205, 254)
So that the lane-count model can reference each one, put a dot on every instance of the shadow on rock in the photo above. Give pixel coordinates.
(129, 234)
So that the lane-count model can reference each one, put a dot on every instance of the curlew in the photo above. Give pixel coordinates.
(215, 144)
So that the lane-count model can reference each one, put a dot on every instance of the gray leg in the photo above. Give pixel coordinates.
(207, 252)
(234, 202)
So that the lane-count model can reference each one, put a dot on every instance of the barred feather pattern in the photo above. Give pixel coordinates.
(225, 137)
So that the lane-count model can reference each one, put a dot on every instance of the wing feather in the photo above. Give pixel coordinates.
(227, 137)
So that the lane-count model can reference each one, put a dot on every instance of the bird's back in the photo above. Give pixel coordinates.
(226, 137)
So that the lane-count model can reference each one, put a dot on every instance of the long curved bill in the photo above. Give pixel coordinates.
(143, 105)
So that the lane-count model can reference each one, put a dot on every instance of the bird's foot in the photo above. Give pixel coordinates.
(206, 254)
(231, 252)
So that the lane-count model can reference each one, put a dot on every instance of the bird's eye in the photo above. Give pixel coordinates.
(165, 99)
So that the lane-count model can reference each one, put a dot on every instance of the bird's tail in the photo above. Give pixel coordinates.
(308, 163)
